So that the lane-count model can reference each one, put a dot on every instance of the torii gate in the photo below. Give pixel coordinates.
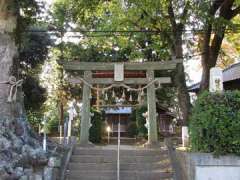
(119, 78)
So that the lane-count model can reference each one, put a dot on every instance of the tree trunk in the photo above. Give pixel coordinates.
(177, 53)
(180, 81)
(8, 52)
(19, 145)
(210, 57)
(211, 46)
(204, 84)
(182, 93)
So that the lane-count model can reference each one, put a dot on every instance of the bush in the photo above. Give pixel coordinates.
(142, 130)
(215, 123)
(132, 129)
(95, 132)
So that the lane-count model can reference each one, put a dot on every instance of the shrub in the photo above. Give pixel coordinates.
(132, 129)
(142, 130)
(95, 131)
(215, 123)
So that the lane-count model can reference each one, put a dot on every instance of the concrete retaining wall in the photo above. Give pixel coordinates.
(204, 166)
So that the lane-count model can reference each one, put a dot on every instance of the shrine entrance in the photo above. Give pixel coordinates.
(122, 75)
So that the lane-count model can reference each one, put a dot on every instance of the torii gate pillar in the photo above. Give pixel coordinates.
(151, 101)
(85, 115)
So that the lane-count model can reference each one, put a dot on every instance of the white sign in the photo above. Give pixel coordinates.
(185, 136)
(216, 80)
(119, 72)
(72, 113)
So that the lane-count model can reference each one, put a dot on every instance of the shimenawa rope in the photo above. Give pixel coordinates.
(14, 84)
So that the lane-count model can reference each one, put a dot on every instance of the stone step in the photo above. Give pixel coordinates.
(109, 158)
(100, 163)
(124, 175)
(124, 141)
(110, 152)
(163, 166)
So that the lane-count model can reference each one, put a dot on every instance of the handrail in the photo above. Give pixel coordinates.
(66, 159)
(118, 153)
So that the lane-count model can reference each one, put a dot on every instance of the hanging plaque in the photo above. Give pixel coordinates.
(119, 72)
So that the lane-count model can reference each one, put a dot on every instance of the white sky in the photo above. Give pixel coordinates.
(193, 69)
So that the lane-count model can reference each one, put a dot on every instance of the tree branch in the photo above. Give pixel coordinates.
(215, 6)
(185, 12)
(235, 12)
(172, 16)
(216, 44)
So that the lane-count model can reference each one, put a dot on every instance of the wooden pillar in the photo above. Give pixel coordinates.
(151, 100)
(85, 115)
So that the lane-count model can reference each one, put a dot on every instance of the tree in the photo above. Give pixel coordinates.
(20, 146)
(160, 26)
(177, 28)
(32, 54)
(216, 21)
(8, 54)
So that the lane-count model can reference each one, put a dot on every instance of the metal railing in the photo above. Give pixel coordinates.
(118, 151)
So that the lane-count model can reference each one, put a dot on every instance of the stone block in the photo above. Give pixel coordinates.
(25, 177)
(28, 171)
(19, 171)
(35, 177)
(54, 162)
(38, 177)
(48, 173)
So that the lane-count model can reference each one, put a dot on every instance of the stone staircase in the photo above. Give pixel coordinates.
(100, 163)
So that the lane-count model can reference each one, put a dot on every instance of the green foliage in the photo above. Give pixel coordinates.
(132, 129)
(34, 48)
(215, 123)
(34, 119)
(95, 132)
(52, 124)
(35, 94)
(32, 54)
(60, 14)
(142, 130)
(27, 11)
(133, 117)
(115, 16)
(33, 51)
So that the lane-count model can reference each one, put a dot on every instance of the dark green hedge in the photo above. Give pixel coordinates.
(215, 123)
(140, 121)
(95, 132)
(132, 129)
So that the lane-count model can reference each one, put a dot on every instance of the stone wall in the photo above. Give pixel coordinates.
(204, 166)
